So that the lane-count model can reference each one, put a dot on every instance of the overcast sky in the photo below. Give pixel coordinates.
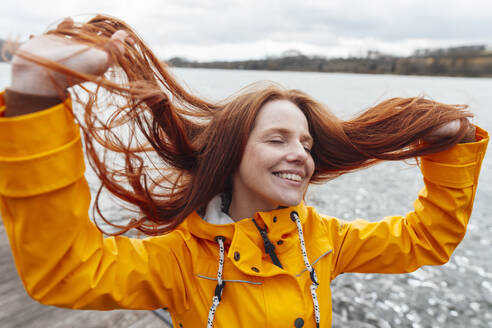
(240, 29)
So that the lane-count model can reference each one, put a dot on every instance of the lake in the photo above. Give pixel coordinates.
(457, 294)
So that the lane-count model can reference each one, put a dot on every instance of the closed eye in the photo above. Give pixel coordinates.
(276, 141)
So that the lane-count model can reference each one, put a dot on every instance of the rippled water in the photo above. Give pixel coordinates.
(458, 294)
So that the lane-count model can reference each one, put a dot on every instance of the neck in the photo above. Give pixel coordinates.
(241, 208)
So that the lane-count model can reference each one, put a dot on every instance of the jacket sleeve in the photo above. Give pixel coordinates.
(61, 257)
(426, 236)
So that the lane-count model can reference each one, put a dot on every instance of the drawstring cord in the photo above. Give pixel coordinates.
(220, 283)
(295, 217)
(269, 247)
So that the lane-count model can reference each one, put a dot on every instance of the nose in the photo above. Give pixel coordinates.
(297, 153)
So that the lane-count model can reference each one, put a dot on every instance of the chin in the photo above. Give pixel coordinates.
(290, 202)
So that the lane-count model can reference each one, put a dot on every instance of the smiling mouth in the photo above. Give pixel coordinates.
(288, 176)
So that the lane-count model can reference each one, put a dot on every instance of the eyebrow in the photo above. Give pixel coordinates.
(305, 137)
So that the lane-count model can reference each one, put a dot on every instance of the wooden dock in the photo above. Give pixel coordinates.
(18, 310)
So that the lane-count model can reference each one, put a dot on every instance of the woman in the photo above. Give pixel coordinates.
(235, 245)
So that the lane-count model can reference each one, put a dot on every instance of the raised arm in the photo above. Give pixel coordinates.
(429, 234)
(61, 257)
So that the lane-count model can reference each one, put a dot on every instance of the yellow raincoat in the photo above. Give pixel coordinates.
(63, 259)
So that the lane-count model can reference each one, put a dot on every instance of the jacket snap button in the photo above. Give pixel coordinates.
(255, 269)
(274, 219)
(299, 323)
(237, 256)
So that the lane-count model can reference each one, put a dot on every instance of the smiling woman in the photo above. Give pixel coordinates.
(234, 243)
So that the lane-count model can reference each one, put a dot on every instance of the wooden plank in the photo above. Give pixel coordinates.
(18, 310)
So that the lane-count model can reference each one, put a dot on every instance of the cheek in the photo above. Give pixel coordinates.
(310, 166)
(252, 162)
(258, 158)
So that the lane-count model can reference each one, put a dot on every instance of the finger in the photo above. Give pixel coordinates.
(123, 37)
(129, 40)
(448, 129)
(66, 23)
(469, 135)
(117, 41)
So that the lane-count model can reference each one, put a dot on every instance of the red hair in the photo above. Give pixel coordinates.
(177, 151)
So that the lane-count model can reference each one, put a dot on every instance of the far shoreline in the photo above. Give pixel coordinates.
(327, 72)
(465, 61)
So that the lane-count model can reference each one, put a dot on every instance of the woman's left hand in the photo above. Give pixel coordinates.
(450, 130)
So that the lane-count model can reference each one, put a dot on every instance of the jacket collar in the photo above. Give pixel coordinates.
(243, 237)
(277, 222)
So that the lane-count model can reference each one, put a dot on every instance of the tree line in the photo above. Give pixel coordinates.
(470, 61)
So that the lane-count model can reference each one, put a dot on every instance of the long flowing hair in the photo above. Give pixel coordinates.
(176, 151)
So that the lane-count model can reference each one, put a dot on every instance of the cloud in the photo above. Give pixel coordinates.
(235, 28)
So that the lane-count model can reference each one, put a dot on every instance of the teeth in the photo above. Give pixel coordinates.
(289, 176)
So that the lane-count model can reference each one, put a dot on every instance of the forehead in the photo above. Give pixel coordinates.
(281, 114)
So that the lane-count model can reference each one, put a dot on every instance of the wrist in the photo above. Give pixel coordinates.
(17, 103)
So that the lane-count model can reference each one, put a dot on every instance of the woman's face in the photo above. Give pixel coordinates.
(276, 166)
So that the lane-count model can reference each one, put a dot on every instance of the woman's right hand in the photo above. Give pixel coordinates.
(38, 85)
(30, 78)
